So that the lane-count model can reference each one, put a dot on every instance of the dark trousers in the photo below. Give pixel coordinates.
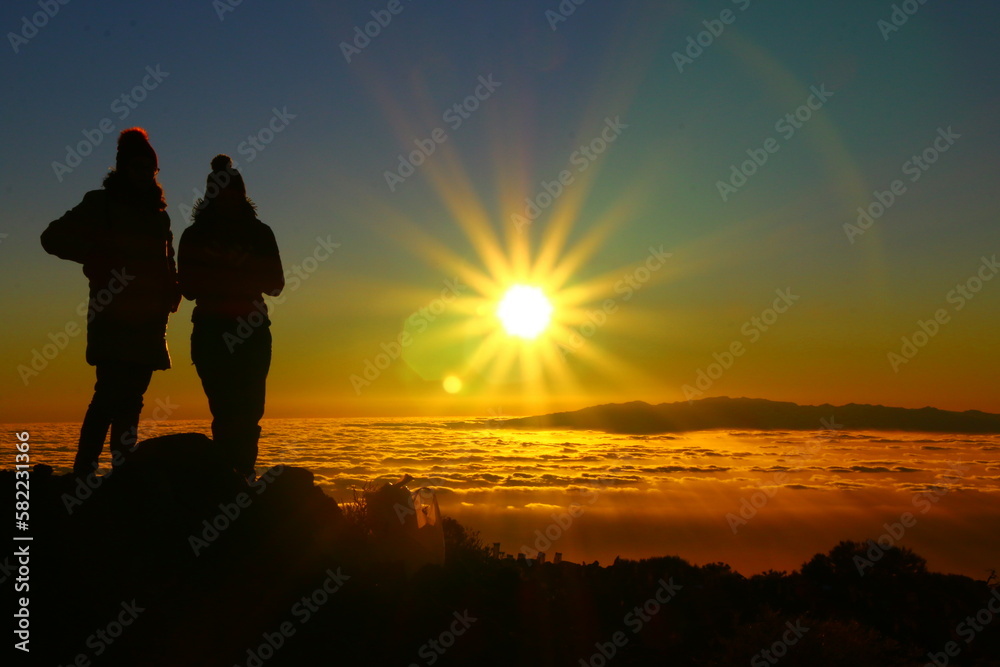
(232, 360)
(117, 404)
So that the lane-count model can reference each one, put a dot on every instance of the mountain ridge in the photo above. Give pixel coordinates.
(723, 412)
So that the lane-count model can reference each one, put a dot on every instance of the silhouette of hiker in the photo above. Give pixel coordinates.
(121, 235)
(226, 260)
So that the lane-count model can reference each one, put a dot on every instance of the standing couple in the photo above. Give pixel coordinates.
(226, 260)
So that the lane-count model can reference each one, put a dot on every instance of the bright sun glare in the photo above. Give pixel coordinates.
(525, 301)
(524, 311)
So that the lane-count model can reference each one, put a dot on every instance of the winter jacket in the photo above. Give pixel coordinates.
(127, 254)
(226, 264)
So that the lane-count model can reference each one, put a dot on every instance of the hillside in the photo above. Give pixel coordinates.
(755, 413)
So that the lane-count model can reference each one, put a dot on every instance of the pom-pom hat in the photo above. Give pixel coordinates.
(224, 176)
(134, 143)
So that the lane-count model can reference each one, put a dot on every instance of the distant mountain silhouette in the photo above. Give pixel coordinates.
(638, 417)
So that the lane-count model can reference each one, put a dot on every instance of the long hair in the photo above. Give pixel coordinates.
(205, 211)
(119, 186)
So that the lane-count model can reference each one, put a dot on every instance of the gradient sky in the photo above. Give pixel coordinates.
(322, 176)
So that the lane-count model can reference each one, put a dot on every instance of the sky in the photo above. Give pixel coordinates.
(791, 202)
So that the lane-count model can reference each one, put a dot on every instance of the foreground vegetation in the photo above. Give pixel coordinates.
(176, 561)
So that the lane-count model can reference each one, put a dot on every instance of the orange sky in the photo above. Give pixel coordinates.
(590, 167)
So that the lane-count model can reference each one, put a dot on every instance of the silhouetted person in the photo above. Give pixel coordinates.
(227, 260)
(121, 235)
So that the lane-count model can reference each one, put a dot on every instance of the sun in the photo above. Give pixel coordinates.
(524, 311)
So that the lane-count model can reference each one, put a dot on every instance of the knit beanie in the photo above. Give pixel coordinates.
(133, 143)
(224, 176)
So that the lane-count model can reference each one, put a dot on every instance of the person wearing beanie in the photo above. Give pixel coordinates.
(121, 235)
(227, 260)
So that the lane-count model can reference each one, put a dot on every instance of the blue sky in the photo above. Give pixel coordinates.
(343, 125)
